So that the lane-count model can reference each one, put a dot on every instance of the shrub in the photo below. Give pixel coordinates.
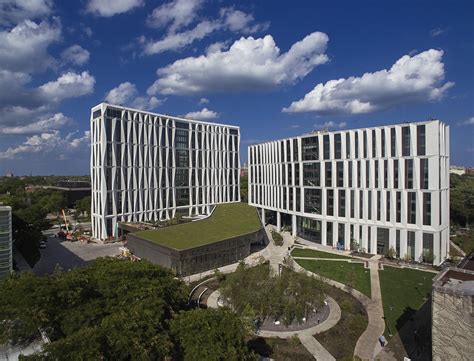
(277, 238)
(391, 253)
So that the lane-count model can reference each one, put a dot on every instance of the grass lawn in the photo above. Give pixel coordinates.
(465, 241)
(227, 221)
(340, 341)
(280, 349)
(405, 291)
(299, 252)
(341, 272)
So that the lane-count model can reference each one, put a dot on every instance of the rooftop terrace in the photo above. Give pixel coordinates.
(227, 221)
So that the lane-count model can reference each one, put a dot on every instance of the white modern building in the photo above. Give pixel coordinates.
(149, 167)
(6, 255)
(373, 188)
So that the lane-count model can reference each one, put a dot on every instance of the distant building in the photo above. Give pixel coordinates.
(6, 256)
(383, 188)
(455, 169)
(9, 175)
(470, 171)
(72, 190)
(453, 312)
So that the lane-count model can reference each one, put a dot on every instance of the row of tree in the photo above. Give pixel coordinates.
(117, 310)
(462, 199)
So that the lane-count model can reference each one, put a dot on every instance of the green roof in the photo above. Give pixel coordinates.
(227, 221)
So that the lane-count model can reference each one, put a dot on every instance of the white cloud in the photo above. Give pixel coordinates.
(174, 14)
(203, 101)
(75, 55)
(469, 121)
(24, 48)
(410, 79)
(127, 94)
(178, 41)
(43, 124)
(203, 114)
(179, 14)
(248, 64)
(436, 32)
(108, 8)
(238, 21)
(14, 11)
(68, 85)
(330, 125)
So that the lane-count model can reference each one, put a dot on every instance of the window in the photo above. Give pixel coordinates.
(399, 207)
(428, 247)
(359, 181)
(311, 174)
(328, 167)
(309, 229)
(374, 144)
(379, 205)
(406, 141)
(383, 143)
(340, 174)
(330, 202)
(397, 243)
(377, 174)
(395, 173)
(427, 209)
(385, 173)
(352, 203)
(329, 234)
(365, 144)
(361, 204)
(310, 148)
(342, 203)
(411, 244)
(326, 146)
(409, 173)
(312, 201)
(297, 174)
(393, 142)
(337, 146)
(369, 206)
(411, 207)
(356, 148)
(387, 211)
(421, 139)
(348, 145)
(367, 173)
(96, 114)
(424, 174)
(182, 197)
(298, 200)
(295, 150)
(350, 174)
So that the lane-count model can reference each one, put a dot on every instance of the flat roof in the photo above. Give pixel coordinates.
(455, 281)
(227, 221)
(164, 115)
(322, 132)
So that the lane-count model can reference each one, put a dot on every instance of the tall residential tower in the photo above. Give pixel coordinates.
(6, 256)
(148, 167)
(375, 188)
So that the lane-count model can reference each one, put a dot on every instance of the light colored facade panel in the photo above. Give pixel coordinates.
(6, 254)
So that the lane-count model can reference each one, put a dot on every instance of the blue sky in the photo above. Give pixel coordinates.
(274, 69)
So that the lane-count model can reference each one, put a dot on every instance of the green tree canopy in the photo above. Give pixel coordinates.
(113, 310)
(211, 335)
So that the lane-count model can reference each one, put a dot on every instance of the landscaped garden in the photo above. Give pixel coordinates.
(351, 274)
(289, 298)
(404, 291)
(280, 349)
(340, 340)
(227, 221)
(302, 252)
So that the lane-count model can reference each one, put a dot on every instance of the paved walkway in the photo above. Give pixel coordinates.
(459, 249)
(315, 348)
(368, 346)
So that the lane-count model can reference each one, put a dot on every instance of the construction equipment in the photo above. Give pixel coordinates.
(65, 221)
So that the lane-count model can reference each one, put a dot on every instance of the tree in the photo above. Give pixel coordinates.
(113, 309)
(83, 206)
(207, 334)
(244, 189)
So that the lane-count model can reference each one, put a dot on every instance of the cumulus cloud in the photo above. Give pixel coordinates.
(14, 11)
(203, 101)
(469, 121)
(177, 15)
(24, 47)
(108, 8)
(174, 14)
(68, 85)
(75, 55)
(330, 125)
(43, 124)
(410, 79)
(248, 64)
(48, 144)
(127, 94)
(203, 114)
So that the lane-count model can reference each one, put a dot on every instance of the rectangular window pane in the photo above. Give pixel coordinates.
(421, 139)
(337, 146)
(406, 141)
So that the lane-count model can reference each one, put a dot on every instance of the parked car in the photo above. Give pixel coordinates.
(42, 244)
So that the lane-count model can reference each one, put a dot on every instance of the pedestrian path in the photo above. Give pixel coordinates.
(315, 348)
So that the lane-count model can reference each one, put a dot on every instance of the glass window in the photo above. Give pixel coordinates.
(348, 145)
(385, 173)
(369, 205)
(311, 174)
(395, 173)
(330, 202)
(309, 229)
(356, 144)
(411, 244)
(409, 173)
(424, 174)
(295, 150)
(361, 204)
(365, 144)
(383, 143)
(350, 174)
(393, 142)
(411, 207)
(340, 174)
(310, 148)
(352, 203)
(421, 139)
(329, 234)
(374, 143)
(379, 205)
(342, 203)
(337, 146)
(312, 201)
(326, 146)
(428, 247)
(397, 243)
(387, 212)
(406, 141)
(328, 167)
(427, 209)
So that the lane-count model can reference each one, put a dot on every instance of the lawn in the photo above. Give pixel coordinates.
(340, 340)
(227, 221)
(341, 272)
(465, 241)
(299, 252)
(404, 291)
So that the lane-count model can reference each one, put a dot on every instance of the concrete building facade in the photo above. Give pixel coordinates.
(6, 245)
(373, 189)
(148, 167)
